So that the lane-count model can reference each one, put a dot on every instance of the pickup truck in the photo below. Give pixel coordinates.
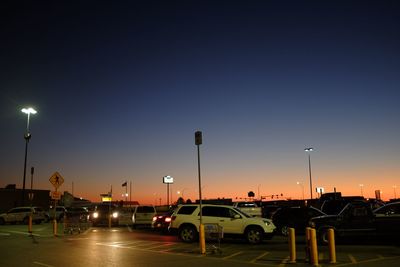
(249, 208)
(357, 221)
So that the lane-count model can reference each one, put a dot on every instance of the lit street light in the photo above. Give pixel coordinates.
(27, 136)
(309, 150)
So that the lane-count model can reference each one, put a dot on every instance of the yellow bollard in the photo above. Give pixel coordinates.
(307, 247)
(202, 239)
(331, 245)
(30, 224)
(314, 248)
(292, 245)
(55, 227)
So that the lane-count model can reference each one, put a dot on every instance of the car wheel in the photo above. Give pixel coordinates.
(323, 236)
(187, 233)
(25, 220)
(2, 221)
(254, 235)
(285, 230)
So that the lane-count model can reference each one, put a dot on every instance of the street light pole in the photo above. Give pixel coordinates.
(27, 136)
(361, 188)
(309, 150)
(198, 138)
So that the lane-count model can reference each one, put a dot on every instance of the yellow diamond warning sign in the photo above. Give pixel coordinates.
(56, 180)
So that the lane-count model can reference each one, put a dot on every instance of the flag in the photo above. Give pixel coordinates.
(125, 184)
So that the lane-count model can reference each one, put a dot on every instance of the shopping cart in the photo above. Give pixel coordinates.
(75, 222)
(213, 235)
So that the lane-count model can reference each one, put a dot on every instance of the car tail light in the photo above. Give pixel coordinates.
(167, 219)
(154, 218)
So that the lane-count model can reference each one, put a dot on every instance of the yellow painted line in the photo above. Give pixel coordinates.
(284, 261)
(370, 260)
(259, 257)
(232, 255)
(352, 259)
(42, 264)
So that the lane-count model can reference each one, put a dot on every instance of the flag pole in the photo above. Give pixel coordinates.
(130, 193)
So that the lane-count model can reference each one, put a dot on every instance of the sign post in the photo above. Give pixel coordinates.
(168, 180)
(56, 180)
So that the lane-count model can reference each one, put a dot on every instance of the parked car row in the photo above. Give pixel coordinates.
(21, 215)
(356, 219)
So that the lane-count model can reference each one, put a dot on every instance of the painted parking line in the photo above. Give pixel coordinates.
(352, 259)
(42, 264)
(359, 263)
(259, 257)
(232, 255)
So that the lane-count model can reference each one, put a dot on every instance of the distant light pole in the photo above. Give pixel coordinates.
(361, 188)
(302, 188)
(394, 191)
(27, 136)
(309, 150)
(198, 140)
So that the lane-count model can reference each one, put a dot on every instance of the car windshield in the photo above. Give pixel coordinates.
(242, 213)
(145, 209)
(105, 207)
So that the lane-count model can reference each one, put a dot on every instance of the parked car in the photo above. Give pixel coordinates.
(161, 222)
(81, 212)
(57, 214)
(21, 215)
(125, 215)
(143, 215)
(357, 221)
(101, 214)
(294, 217)
(390, 209)
(186, 220)
(250, 208)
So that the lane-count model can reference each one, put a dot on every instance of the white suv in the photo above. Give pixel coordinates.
(21, 215)
(186, 219)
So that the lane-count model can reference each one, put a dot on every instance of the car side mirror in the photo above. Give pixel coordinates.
(237, 216)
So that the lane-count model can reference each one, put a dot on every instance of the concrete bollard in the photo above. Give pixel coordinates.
(202, 239)
(292, 245)
(313, 247)
(331, 245)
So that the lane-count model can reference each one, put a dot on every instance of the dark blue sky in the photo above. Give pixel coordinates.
(120, 89)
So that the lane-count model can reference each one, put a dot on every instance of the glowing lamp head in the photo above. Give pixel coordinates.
(29, 110)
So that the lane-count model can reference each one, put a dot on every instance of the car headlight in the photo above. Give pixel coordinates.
(267, 223)
(95, 214)
(115, 214)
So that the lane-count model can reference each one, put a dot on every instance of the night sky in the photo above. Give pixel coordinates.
(121, 86)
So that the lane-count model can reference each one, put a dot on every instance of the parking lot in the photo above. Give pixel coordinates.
(97, 244)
